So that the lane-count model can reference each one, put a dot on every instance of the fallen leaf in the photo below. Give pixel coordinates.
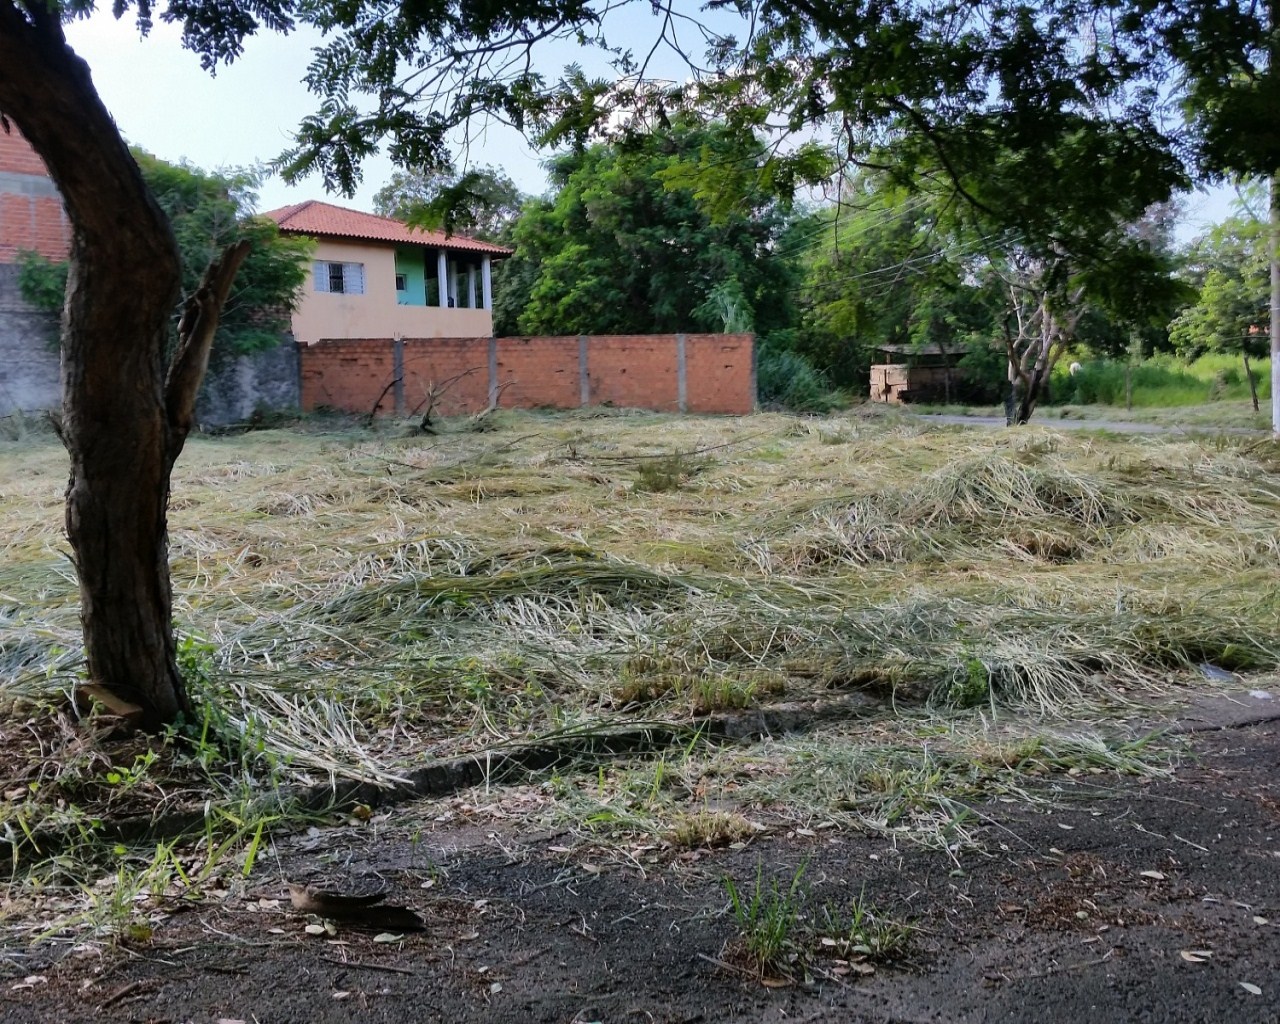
(363, 910)
(387, 938)
(1251, 988)
(314, 929)
(342, 995)
(1195, 956)
(1259, 919)
(495, 988)
(323, 902)
(1158, 876)
(1065, 827)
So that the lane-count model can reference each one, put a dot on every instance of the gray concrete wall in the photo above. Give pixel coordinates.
(28, 351)
(233, 390)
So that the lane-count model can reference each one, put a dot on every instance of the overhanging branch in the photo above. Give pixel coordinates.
(196, 330)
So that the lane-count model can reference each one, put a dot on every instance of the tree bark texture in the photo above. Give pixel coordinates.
(1036, 335)
(121, 429)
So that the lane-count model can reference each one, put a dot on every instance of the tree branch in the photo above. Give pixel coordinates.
(196, 329)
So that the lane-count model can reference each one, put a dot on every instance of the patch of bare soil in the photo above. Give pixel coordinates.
(1122, 902)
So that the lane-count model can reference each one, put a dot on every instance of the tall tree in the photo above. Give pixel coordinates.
(1221, 60)
(881, 268)
(1230, 268)
(482, 202)
(624, 246)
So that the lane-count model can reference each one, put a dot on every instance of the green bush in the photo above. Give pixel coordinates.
(788, 380)
(1163, 381)
(986, 374)
(42, 282)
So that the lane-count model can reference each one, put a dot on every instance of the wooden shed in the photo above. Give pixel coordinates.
(908, 373)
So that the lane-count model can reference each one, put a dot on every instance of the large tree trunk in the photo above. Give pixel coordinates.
(122, 427)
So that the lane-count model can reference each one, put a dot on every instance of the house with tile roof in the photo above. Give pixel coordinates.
(374, 277)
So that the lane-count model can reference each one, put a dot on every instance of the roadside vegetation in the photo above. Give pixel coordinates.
(913, 620)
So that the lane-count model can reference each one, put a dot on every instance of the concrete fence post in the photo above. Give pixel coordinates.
(397, 372)
(682, 375)
(584, 373)
(301, 354)
(493, 372)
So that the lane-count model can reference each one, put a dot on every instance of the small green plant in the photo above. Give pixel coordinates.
(214, 739)
(767, 918)
(971, 684)
(43, 283)
(667, 473)
(126, 778)
(863, 931)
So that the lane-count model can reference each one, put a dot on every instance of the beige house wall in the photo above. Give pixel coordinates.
(376, 314)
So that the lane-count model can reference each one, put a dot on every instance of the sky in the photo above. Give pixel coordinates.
(164, 102)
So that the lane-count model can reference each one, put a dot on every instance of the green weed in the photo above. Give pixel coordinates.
(861, 930)
(767, 916)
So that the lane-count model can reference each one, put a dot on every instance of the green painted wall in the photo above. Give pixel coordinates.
(412, 264)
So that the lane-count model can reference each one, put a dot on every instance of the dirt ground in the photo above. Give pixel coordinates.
(1118, 901)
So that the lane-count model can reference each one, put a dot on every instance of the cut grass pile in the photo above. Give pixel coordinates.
(353, 604)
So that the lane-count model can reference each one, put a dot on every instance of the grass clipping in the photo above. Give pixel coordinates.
(355, 602)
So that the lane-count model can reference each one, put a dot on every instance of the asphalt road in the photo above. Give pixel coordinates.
(1114, 426)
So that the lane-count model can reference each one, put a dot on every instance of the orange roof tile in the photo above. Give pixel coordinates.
(316, 218)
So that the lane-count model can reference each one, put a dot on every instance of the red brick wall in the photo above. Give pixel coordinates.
(348, 375)
(430, 364)
(634, 371)
(539, 373)
(718, 373)
(31, 214)
(16, 154)
(631, 371)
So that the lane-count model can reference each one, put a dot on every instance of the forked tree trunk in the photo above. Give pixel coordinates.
(113, 425)
(123, 426)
